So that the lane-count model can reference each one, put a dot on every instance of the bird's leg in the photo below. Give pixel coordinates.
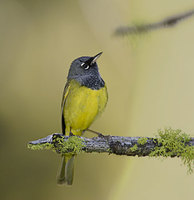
(95, 132)
(83, 132)
(70, 133)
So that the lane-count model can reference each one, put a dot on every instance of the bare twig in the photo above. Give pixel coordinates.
(165, 23)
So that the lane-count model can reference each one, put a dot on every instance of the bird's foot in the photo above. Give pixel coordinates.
(71, 134)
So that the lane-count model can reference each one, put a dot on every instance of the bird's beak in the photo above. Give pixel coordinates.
(95, 58)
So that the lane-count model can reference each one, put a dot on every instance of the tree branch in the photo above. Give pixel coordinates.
(129, 146)
(168, 143)
(165, 23)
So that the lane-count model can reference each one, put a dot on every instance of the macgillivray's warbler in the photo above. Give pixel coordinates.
(84, 98)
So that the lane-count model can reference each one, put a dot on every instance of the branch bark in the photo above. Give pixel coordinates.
(109, 144)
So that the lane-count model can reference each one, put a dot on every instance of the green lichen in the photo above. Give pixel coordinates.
(174, 143)
(44, 146)
(142, 140)
(73, 145)
(134, 148)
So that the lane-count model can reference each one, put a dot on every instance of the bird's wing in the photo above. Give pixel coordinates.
(65, 94)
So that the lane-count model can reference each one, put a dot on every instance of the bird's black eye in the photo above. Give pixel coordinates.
(85, 66)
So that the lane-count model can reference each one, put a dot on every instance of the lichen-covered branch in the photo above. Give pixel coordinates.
(129, 146)
(168, 143)
(142, 28)
(118, 145)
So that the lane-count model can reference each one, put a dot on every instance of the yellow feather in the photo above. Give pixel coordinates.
(81, 106)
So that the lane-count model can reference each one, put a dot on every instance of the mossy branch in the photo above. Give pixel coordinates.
(168, 143)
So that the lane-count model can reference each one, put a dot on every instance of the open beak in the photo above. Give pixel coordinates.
(95, 58)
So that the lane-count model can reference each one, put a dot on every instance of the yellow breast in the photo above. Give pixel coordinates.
(82, 106)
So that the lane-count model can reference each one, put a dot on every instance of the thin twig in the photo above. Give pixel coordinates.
(165, 23)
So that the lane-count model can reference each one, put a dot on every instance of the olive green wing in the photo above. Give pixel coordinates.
(65, 94)
(66, 172)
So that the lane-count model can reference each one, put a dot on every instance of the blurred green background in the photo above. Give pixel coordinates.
(150, 83)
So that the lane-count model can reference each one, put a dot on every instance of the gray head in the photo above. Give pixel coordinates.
(85, 71)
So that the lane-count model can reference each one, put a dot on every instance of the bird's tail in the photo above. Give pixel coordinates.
(67, 170)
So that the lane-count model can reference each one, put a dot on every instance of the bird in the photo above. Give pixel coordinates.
(85, 96)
